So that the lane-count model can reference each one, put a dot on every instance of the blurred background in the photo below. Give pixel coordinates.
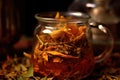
(17, 17)
(23, 11)
(17, 24)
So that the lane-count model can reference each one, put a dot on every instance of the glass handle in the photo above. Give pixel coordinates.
(103, 42)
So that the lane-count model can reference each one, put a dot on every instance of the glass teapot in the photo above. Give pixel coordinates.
(63, 45)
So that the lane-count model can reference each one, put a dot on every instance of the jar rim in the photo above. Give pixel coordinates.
(50, 16)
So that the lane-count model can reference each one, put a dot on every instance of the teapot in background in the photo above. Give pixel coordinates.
(103, 12)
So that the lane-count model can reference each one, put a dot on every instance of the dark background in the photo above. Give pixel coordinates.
(28, 8)
(31, 7)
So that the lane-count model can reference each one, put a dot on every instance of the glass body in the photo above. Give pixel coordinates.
(62, 46)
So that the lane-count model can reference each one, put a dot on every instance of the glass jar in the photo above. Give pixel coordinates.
(63, 46)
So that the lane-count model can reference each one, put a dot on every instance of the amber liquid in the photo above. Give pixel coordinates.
(63, 57)
(68, 68)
